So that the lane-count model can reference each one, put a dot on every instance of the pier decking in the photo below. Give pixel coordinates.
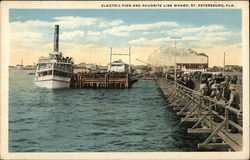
(208, 115)
(102, 80)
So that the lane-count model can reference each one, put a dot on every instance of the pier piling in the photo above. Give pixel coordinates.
(102, 80)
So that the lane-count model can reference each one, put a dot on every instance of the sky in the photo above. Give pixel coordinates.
(87, 34)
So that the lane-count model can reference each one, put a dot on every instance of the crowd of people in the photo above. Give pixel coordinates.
(217, 87)
(226, 91)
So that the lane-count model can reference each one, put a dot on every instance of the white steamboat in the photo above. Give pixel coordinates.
(54, 71)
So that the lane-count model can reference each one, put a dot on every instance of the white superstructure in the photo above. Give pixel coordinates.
(54, 71)
(190, 70)
(118, 66)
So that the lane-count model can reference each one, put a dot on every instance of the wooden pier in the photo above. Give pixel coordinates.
(101, 80)
(209, 117)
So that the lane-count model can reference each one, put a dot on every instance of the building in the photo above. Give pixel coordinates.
(192, 67)
(18, 66)
(30, 67)
(102, 69)
(216, 69)
(91, 66)
(81, 69)
(118, 66)
(12, 67)
(233, 68)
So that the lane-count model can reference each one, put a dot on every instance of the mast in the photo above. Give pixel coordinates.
(110, 56)
(224, 61)
(129, 60)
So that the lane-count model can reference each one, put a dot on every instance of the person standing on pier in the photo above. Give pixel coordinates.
(210, 82)
(225, 91)
(204, 88)
(213, 91)
(227, 79)
(190, 83)
(185, 79)
(234, 102)
(180, 80)
(234, 80)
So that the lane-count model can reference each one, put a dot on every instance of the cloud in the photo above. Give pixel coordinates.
(26, 36)
(149, 42)
(71, 35)
(207, 36)
(187, 40)
(100, 31)
(151, 25)
(213, 34)
(190, 38)
(211, 30)
(30, 29)
(191, 30)
(19, 17)
(104, 23)
(148, 33)
(92, 33)
(139, 41)
(116, 22)
(17, 25)
(124, 30)
(70, 22)
(75, 21)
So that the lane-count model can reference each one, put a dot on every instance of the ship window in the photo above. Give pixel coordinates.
(63, 74)
(44, 73)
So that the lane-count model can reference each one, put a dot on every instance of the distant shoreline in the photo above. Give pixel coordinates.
(22, 69)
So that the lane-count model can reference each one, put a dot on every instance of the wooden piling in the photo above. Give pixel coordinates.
(102, 80)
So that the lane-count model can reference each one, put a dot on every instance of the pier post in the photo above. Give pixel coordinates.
(127, 81)
(226, 119)
(210, 114)
(106, 80)
(80, 81)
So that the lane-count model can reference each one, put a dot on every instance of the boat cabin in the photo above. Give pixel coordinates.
(118, 66)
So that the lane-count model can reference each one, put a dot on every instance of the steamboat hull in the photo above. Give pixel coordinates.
(53, 82)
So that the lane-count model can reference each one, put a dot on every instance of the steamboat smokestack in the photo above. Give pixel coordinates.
(56, 38)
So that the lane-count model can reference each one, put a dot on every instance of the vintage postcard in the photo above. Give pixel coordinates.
(124, 80)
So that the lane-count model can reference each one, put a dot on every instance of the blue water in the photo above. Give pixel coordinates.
(92, 120)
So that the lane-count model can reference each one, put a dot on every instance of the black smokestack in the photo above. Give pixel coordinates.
(56, 38)
(202, 54)
(199, 54)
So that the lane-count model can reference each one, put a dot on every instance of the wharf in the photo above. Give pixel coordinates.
(207, 115)
(102, 80)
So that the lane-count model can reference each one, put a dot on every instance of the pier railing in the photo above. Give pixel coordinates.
(208, 115)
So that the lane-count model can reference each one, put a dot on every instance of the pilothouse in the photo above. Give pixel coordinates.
(54, 71)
